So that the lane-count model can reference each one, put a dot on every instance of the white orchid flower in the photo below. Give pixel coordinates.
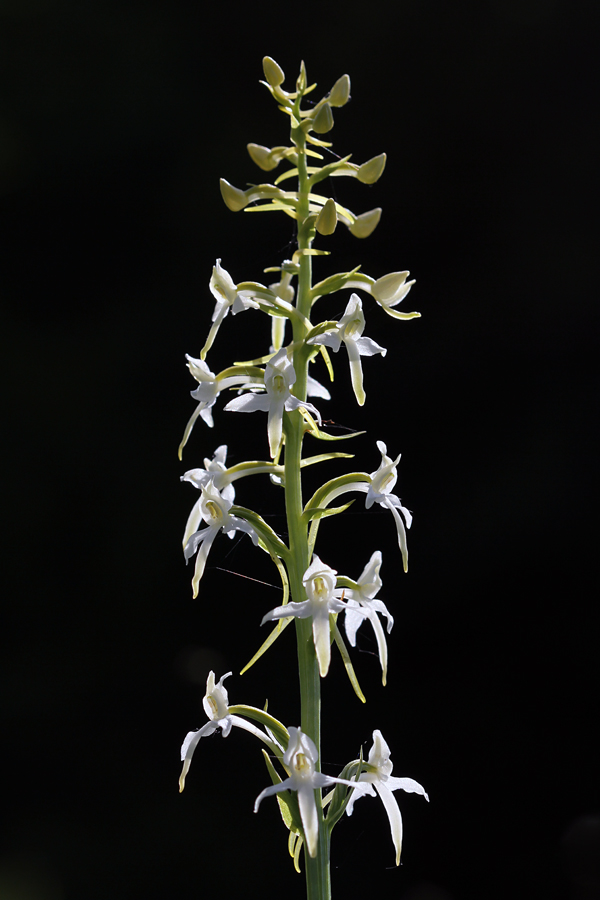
(215, 473)
(378, 489)
(379, 776)
(279, 378)
(216, 707)
(209, 388)
(300, 760)
(214, 511)
(363, 598)
(349, 331)
(228, 297)
(319, 582)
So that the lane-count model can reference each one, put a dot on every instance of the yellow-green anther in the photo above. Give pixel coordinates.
(273, 72)
(323, 121)
(234, 198)
(340, 92)
(327, 218)
(365, 224)
(371, 171)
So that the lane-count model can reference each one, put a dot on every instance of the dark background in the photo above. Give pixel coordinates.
(116, 121)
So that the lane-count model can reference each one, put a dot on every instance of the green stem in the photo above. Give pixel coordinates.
(318, 884)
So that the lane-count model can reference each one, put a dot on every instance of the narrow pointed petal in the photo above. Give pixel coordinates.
(393, 813)
(401, 532)
(201, 559)
(194, 519)
(322, 639)
(356, 372)
(406, 784)
(221, 313)
(190, 425)
(310, 819)
(381, 644)
(275, 426)
(269, 791)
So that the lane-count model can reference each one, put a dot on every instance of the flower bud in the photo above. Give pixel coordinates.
(371, 171)
(327, 219)
(273, 72)
(365, 224)
(388, 288)
(340, 92)
(301, 80)
(323, 121)
(263, 157)
(234, 198)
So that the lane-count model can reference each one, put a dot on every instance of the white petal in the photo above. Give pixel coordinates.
(310, 819)
(290, 610)
(248, 403)
(352, 623)
(269, 791)
(393, 813)
(367, 347)
(356, 373)
(406, 784)
(201, 559)
(322, 639)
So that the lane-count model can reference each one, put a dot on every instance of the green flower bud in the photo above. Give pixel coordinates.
(265, 158)
(323, 121)
(365, 224)
(340, 92)
(301, 80)
(371, 171)
(273, 72)
(234, 198)
(327, 219)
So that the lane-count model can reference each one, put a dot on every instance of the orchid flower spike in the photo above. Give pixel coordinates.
(279, 379)
(214, 510)
(228, 297)
(349, 331)
(363, 598)
(319, 583)
(216, 707)
(378, 775)
(300, 760)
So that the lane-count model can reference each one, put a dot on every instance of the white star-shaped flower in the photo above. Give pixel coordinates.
(319, 582)
(280, 376)
(216, 707)
(379, 776)
(349, 331)
(227, 297)
(299, 760)
(214, 511)
(362, 604)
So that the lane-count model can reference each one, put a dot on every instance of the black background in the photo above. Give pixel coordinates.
(117, 119)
